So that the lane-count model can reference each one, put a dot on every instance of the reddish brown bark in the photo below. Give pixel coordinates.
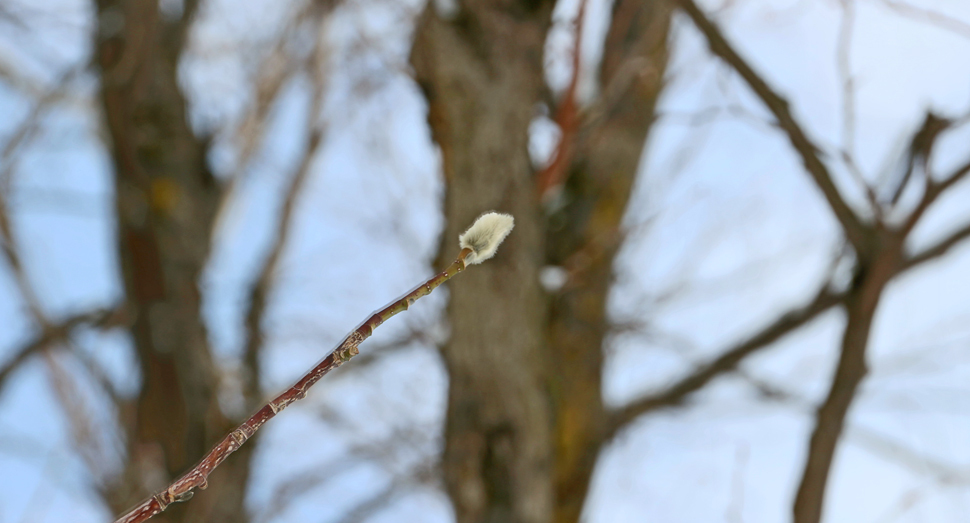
(183, 488)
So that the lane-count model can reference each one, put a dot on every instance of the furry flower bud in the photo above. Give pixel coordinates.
(485, 235)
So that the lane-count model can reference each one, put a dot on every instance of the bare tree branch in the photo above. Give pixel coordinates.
(423, 474)
(275, 69)
(259, 294)
(880, 259)
(12, 257)
(918, 463)
(31, 124)
(59, 332)
(843, 58)
(380, 452)
(873, 441)
(949, 23)
(933, 192)
(853, 228)
(939, 249)
(182, 488)
(727, 361)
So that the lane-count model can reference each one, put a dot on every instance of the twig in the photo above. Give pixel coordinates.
(860, 306)
(726, 362)
(260, 292)
(872, 441)
(939, 249)
(424, 473)
(378, 452)
(274, 70)
(58, 332)
(31, 124)
(844, 60)
(933, 191)
(478, 244)
(854, 229)
(948, 23)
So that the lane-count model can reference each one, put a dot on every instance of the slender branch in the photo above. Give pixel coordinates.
(831, 414)
(50, 332)
(10, 253)
(959, 174)
(844, 59)
(381, 452)
(883, 446)
(259, 294)
(810, 154)
(919, 151)
(181, 489)
(875, 442)
(933, 191)
(424, 473)
(24, 133)
(948, 23)
(273, 72)
(726, 362)
(941, 248)
(56, 333)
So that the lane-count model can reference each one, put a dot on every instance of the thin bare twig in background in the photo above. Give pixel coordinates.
(728, 361)
(381, 452)
(844, 60)
(261, 289)
(425, 473)
(918, 155)
(58, 332)
(30, 125)
(871, 440)
(275, 69)
(948, 23)
(934, 189)
(809, 153)
(73, 406)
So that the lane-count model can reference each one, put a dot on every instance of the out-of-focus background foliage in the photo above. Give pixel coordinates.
(737, 289)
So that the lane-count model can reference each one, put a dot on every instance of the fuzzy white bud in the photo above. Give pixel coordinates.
(485, 235)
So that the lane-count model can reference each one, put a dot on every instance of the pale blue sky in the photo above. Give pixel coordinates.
(734, 225)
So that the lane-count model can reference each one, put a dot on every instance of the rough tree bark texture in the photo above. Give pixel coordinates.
(482, 74)
(166, 200)
(525, 414)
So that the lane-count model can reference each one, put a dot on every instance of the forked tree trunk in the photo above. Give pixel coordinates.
(525, 413)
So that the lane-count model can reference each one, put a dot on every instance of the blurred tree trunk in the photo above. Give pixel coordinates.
(482, 74)
(526, 420)
(166, 200)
